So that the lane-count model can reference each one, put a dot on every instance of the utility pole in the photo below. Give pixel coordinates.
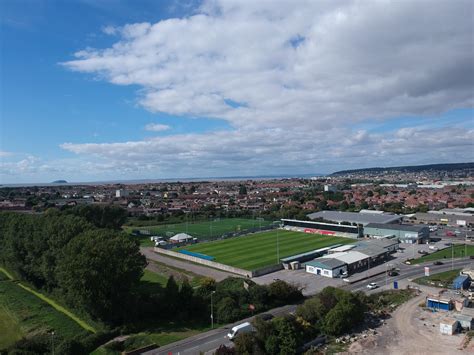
(278, 246)
(52, 342)
(452, 256)
(212, 310)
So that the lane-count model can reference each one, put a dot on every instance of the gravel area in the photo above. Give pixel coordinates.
(412, 330)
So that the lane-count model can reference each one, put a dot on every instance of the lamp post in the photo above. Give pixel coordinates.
(452, 256)
(278, 246)
(52, 342)
(212, 310)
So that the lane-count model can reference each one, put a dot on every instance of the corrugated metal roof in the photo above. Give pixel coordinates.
(397, 227)
(353, 217)
(343, 248)
(326, 263)
(347, 257)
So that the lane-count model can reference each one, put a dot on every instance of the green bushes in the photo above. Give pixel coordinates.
(331, 312)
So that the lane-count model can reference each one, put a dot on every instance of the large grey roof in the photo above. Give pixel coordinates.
(326, 263)
(398, 227)
(353, 217)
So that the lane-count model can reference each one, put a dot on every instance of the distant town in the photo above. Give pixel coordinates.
(388, 190)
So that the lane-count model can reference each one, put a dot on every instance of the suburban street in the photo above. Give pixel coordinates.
(211, 340)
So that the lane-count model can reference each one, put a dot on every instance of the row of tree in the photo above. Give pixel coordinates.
(92, 269)
(331, 312)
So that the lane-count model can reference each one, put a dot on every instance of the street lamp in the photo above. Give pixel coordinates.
(212, 310)
(52, 342)
(452, 256)
(278, 247)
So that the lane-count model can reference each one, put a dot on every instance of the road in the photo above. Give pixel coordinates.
(209, 341)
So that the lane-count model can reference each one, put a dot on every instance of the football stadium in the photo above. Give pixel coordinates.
(254, 251)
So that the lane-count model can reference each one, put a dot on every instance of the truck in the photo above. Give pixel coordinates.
(239, 329)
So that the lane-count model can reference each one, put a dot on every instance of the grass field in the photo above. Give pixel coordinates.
(23, 313)
(254, 251)
(441, 279)
(204, 230)
(459, 252)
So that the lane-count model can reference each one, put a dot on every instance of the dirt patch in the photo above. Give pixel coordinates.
(411, 330)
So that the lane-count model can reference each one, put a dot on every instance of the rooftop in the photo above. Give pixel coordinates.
(326, 263)
(353, 217)
(347, 257)
(398, 227)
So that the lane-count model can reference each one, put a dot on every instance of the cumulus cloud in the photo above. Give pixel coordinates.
(292, 78)
(156, 127)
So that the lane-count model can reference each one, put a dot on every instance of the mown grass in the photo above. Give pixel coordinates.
(254, 251)
(23, 313)
(10, 330)
(153, 277)
(460, 251)
(201, 230)
(441, 279)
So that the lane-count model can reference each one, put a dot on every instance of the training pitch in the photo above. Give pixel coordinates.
(258, 250)
(207, 229)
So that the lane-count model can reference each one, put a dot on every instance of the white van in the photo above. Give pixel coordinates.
(238, 329)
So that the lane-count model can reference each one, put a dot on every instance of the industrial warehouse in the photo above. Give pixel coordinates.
(347, 259)
(363, 217)
(371, 224)
(405, 233)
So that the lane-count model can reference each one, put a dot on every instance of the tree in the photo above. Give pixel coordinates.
(227, 310)
(225, 350)
(98, 271)
(112, 217)
(312, 310)
(287, 337)
(172, 295)
(242, 190)
(246, 344)
(284, 293)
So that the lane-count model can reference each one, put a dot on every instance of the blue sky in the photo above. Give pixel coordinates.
(233, 88)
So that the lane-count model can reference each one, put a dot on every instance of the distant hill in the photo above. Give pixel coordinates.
(410, 169)
(59, 182)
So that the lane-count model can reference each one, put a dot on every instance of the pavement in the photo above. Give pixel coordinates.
(185, 265)
(209, 341)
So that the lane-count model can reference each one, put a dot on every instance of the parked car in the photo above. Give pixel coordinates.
(372, 286)
(239, 329)
(438, 263)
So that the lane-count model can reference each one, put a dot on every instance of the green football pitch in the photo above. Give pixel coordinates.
(207, 229)
(258, 250)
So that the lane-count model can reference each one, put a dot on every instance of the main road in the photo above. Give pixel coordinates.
(211, 340)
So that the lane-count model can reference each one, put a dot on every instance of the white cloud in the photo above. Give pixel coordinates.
(302, 75)
(4, 154)
(156, 127)
(110, 30)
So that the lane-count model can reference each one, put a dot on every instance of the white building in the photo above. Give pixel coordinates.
(328, 267)
(121, 193)
(448, 326)
(180, 237)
